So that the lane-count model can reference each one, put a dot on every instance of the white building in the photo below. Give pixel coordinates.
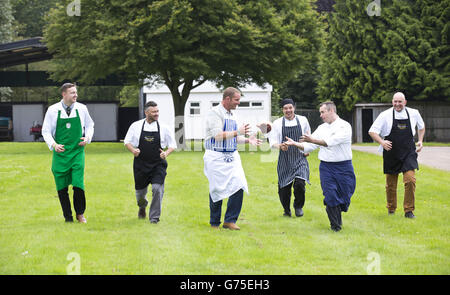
(255, 106)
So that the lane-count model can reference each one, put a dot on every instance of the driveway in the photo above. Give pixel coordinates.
(434, 156)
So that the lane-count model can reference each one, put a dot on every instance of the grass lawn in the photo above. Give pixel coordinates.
(34, 239)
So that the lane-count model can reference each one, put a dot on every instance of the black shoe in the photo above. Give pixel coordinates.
(336, 228)
(141, 213)
(287, 214)
(69, 219)
(391, 212)
(409, 215)
(299, 212)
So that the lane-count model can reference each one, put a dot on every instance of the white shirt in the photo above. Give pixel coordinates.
(134, 133)
(214, 120)
(49, 125)
(337, 136)
(275, 134)
(383, 123)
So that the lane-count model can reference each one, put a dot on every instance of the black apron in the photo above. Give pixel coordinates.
(403, 156)
(148, 167)
(291, 163)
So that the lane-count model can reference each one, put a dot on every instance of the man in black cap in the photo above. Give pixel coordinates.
(292, 168)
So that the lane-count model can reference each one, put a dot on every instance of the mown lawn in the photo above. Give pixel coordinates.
(35, 240)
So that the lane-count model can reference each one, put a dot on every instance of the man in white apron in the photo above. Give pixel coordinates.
(222, 161)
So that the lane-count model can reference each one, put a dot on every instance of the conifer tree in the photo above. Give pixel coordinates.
(400, 46)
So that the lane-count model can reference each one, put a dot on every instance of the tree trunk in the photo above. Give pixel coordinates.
(179, 102)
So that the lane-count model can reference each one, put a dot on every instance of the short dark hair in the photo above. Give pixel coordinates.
(150, 103)
(329, 105)
(66, 86)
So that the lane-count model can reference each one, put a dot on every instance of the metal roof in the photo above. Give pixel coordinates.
(23, 52)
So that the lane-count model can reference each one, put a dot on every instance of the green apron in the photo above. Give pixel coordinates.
(68, 166)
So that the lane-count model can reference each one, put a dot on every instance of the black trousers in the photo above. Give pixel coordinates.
(299, 193)
(79, 202)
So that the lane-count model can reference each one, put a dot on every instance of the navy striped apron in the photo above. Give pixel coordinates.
(291, 163)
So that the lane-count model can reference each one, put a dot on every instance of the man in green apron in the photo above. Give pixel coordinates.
(67, 128)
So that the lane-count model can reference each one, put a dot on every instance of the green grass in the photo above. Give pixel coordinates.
(35, 240)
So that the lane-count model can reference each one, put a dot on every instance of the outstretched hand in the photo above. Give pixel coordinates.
(254, 141)
(290, 141)
(264, 127)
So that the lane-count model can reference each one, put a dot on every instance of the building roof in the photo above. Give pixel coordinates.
(23, 52)
(207, 87)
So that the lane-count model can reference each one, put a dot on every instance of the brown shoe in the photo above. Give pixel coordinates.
(81, 218)
(231, 225)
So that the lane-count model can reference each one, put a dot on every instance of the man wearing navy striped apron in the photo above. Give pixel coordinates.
(337, 176)
(222, 162)
(292, 168)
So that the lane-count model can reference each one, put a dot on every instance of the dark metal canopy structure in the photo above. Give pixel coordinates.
(31, 50)
(23, 52)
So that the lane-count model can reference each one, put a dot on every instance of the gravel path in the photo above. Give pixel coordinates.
(433, 156)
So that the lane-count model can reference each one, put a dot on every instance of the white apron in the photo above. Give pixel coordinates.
(225, 174)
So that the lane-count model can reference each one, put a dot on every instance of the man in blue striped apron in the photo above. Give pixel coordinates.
(222, 162)
(337, 176)
(292, 168)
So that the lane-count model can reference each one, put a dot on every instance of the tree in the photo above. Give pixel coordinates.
(417, 48)
(30, 16)
(368, 57)
(184, 43)
(6, 35)
(350, 68)
(303, 88)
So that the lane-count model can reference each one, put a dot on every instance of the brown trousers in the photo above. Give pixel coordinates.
(409, 181)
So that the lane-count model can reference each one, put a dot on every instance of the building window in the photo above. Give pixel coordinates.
(215, 103)
(194, 108)
(251, 104)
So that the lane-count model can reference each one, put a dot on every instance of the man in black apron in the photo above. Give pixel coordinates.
(292, 167)
(399, 153)
(149, 165)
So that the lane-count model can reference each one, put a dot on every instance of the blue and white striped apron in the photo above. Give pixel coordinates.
(228, 145)
(223, 166)
(291, 163)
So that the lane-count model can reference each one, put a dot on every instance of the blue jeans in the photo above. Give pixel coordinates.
(234, 206)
